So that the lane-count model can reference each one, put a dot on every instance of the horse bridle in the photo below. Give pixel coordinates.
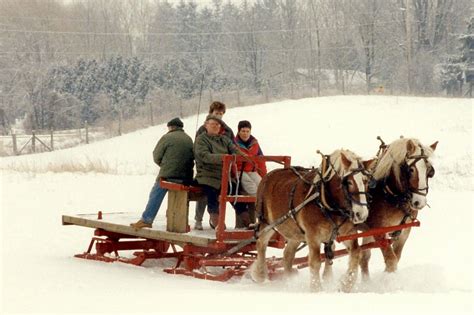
(406, 169)
(429, 174)
(349, 196)
(346, 212)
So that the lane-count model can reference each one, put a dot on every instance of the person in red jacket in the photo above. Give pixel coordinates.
(249, 174)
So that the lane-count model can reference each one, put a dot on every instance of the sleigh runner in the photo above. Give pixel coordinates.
(210, 254)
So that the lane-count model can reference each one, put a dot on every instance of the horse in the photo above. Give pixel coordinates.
(329, 201)
(401, 173)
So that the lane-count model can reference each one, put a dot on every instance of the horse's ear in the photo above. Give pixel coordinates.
(345, 161)
(369, 165)
(411, 148)
(433, 146)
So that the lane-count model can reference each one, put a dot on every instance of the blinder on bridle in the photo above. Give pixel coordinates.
(429, 173)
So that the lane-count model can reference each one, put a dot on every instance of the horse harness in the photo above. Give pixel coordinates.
(315, 194)
(319, 197)
(401, 200)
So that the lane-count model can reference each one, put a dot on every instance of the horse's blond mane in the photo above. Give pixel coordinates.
(395, 155)
(335, 158)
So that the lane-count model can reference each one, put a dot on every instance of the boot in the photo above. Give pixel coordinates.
(238, 222)
(244, 219)
(140, 224)
(251, 209)
(239, 207)
(198, 225)
(213, 220)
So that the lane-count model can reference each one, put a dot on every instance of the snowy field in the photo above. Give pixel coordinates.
(40, 275)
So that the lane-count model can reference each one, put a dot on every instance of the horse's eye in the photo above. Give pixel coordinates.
(412, 170)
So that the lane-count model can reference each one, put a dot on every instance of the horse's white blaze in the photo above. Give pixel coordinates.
(360, 212)
(419, 201)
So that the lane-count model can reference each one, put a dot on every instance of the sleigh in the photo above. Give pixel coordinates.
(209, 254)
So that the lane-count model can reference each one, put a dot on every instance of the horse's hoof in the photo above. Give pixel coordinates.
(346, 288)
(348, 281)
(257, 278)
(315, 286)
(365, 278)
(316, 289)
(328, 276)
(291, 273)
(257, 275)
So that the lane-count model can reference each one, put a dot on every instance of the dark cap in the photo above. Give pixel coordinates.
(244, 124)
(176, 122)
(213, 117)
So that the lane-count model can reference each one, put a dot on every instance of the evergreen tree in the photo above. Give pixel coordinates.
(460, 67)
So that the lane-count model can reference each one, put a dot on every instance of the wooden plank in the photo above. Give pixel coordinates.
(145, 233)
(177, 212)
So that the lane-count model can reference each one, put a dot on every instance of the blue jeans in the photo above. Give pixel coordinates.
(157, 194)
(212, 195)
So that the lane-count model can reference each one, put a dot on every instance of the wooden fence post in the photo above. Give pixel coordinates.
(15, 148)
(86, 126)
(52, 140)
(33, 141)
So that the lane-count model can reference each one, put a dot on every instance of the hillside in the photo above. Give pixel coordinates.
(39, 273)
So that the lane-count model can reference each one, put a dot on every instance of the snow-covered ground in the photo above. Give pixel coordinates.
(40, 275)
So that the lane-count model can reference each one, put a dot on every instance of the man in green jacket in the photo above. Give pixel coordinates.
(208, 150)
(174, 155)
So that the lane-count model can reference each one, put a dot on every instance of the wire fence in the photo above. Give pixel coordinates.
(166, 105)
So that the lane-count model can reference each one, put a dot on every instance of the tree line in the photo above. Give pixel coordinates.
(64, 63)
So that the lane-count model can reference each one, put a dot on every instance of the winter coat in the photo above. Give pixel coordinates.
(251, 148)
(174, 155)
(208, 151)
(225, 130)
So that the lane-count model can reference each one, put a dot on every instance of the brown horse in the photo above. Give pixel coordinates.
(313, 206)
(402, 172)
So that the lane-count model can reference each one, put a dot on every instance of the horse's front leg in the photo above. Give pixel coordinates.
(259, 269)
(391, 260)
(314, 262)
(399, 243)
(350, 277)
(289, 255)
(365, 259)
(327, 272)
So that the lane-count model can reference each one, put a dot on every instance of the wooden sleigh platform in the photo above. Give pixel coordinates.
(197, 253)
(119, 223)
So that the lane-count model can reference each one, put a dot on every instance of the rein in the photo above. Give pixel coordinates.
(316, 193)
(348, 196)
(402, 200)
(273, 225)
(416, 158)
